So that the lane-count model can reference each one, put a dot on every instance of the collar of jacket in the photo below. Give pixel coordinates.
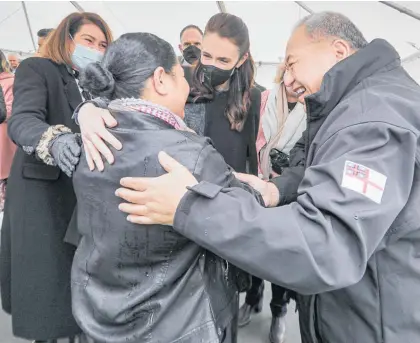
(378, 56)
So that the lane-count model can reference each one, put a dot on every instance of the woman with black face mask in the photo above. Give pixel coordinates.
(223, 104)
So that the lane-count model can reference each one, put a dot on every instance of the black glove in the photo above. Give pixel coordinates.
(279, 160)
(66, 150)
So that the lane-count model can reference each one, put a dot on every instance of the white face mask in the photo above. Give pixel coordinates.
(82, 56)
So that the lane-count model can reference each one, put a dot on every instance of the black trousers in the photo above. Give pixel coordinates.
(279, 301)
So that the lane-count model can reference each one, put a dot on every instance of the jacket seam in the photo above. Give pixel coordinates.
(365, 123)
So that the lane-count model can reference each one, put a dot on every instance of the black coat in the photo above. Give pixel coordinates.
(35, 263)
(133, 282)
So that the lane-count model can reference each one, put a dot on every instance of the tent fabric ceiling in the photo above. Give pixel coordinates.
(270, 22)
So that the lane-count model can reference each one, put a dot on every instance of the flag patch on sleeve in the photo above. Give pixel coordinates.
(364, 180)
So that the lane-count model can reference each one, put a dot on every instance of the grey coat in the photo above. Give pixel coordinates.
(350, 242)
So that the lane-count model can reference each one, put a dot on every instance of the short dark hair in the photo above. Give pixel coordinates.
(190, 27)
(127, 64)
(44, 33)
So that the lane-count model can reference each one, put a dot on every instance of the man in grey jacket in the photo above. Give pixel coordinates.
(349, 244)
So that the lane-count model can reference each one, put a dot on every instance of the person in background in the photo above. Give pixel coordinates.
(14, 62)
(42, 36)
(283, 120)
(349, 244)
(35, 262)
(122, 288)
(7, 148)
(191, 39)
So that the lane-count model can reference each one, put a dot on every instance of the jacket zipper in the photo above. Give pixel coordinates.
(307, 133)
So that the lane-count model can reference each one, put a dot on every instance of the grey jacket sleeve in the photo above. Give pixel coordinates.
(288, 182)
(323, 241)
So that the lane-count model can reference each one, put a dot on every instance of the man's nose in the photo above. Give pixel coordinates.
(288, 78)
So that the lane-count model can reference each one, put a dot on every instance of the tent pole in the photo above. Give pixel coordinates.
(304, 6)
(222, 6)
(402, 9)
(78, 7)
(411, 58)
(29, 24)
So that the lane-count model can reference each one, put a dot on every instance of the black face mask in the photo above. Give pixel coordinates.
(214, 76)
(191, 54)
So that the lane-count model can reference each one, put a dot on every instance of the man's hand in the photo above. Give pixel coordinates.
(155, 200)
(268, 190)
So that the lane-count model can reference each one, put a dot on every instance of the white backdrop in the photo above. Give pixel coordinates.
(269, 22)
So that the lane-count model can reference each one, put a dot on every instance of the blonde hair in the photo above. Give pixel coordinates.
(4, 64)
(281, 69)
(57, 45)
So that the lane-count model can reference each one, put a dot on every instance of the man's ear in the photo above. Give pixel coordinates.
(180, 48)
(159, 81)
(242, 60)
(342, 49)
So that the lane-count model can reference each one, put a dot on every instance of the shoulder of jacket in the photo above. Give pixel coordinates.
(38, 64)
(255, 93)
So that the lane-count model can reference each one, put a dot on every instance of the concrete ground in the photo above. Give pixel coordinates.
(255, 332)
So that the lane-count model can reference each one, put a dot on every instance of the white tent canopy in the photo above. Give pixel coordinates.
(269, 23)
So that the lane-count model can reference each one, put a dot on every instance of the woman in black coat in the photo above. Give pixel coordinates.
(35, 262)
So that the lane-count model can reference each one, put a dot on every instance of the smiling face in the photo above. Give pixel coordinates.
(91, 36)
(309, 59)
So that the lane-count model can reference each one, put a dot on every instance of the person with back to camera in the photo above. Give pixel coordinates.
(130, 283)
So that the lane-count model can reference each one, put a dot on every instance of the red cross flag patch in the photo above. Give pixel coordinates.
(364, 180)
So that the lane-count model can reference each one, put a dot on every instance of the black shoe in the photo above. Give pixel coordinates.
(244, 315)
(278, 330)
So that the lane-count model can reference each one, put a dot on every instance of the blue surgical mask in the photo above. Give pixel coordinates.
(83, 55)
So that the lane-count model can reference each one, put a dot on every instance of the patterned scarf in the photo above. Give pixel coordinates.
(146, 107)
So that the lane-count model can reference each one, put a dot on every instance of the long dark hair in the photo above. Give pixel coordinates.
(239, 99)
(127, 64)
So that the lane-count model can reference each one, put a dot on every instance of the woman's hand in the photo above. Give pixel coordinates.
(268, 190)
(93, 123)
